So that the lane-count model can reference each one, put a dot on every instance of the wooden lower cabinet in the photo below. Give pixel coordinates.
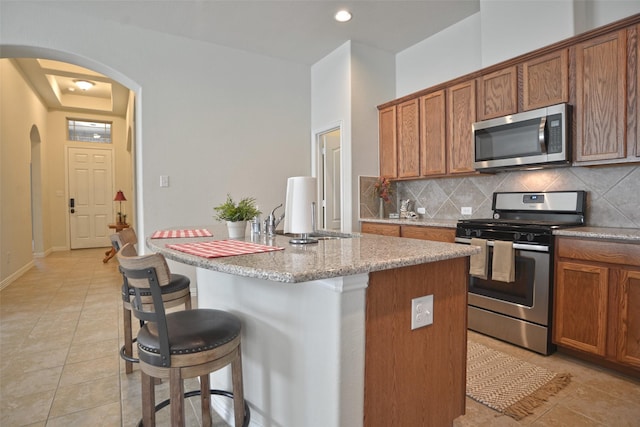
(597, 300)
(438, 234)
(628, 337)
(423, 232)
(581, 307)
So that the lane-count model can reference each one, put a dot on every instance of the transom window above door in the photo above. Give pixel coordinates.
(87, 131)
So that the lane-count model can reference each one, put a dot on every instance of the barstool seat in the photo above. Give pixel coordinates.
(191, 331)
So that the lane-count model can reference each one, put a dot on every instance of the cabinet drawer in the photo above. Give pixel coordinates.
(428, 233)
(600, 251)
(383, 229)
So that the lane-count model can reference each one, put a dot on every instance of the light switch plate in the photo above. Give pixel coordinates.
(164, 180)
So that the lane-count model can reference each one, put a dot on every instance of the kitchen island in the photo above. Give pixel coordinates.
(327, 337)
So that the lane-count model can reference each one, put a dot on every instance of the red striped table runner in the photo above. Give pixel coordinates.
(222, 248)
(172, 234)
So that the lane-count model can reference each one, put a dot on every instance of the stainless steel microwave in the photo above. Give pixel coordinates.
(533, 139)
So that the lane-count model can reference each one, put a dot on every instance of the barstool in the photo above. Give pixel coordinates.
(176, 292)
(180, 345)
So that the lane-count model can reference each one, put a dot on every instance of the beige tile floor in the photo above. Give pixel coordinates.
(61, 329)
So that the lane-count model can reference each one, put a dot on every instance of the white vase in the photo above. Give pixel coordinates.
(236, 229)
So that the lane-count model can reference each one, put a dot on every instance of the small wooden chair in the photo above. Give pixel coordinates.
(180, 345)
(174, 293)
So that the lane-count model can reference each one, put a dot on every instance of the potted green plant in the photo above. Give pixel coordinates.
(237, 215)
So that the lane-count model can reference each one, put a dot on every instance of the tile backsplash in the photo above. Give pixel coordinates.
(613, 198)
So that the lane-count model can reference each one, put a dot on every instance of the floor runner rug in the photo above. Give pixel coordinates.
(507, 384)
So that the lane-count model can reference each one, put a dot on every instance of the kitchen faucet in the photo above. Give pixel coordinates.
(271, 222)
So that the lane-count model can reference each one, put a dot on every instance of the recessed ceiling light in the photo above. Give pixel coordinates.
(84, 84)
(343, 16)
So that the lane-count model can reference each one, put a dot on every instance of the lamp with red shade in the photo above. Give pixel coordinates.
(122, 219)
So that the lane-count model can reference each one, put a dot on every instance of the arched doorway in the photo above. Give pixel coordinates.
(41, 208)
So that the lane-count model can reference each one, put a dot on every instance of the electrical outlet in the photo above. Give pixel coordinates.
(422, 211)
(421, 311)
(466, 210)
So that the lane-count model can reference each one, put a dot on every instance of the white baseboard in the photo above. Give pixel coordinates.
(15, 276)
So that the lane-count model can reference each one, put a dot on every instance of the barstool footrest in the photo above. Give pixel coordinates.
(247, 412)
(126, 357)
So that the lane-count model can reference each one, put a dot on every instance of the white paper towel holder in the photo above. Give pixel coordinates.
(300, 209)
(304, 238)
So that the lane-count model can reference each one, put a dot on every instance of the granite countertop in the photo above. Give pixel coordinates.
(623, 234)
(422, 222)
(328, 258)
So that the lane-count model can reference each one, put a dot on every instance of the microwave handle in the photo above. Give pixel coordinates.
(541, 139)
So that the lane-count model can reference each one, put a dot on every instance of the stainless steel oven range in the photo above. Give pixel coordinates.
(520, 311)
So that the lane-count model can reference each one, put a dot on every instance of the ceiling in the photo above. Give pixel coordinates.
(55, 83)
(301, 31)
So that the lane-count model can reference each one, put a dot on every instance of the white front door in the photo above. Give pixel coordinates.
(331, 180)
(90, 196)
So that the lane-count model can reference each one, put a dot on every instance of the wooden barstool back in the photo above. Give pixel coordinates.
(175, 292)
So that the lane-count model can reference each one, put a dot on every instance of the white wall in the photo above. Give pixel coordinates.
(216, 120)
(20, 109)
(346, 87)
(372, 84)
(331, 107)
(602, 12)
(451, 53)
(510, 28)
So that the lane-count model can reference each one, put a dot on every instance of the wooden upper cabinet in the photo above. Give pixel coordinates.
(388, 142)
(461, 114)
(545, 80)
(408, 139)
(433, 158)
(601, 98)
(498, 94)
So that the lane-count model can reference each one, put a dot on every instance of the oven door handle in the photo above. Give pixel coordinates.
(519, 246)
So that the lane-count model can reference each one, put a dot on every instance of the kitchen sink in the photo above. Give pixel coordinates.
(320, 235)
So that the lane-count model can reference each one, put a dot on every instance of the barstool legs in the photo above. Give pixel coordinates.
(128, 340)
(205, 400)
(148, 400)
(238, 391)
